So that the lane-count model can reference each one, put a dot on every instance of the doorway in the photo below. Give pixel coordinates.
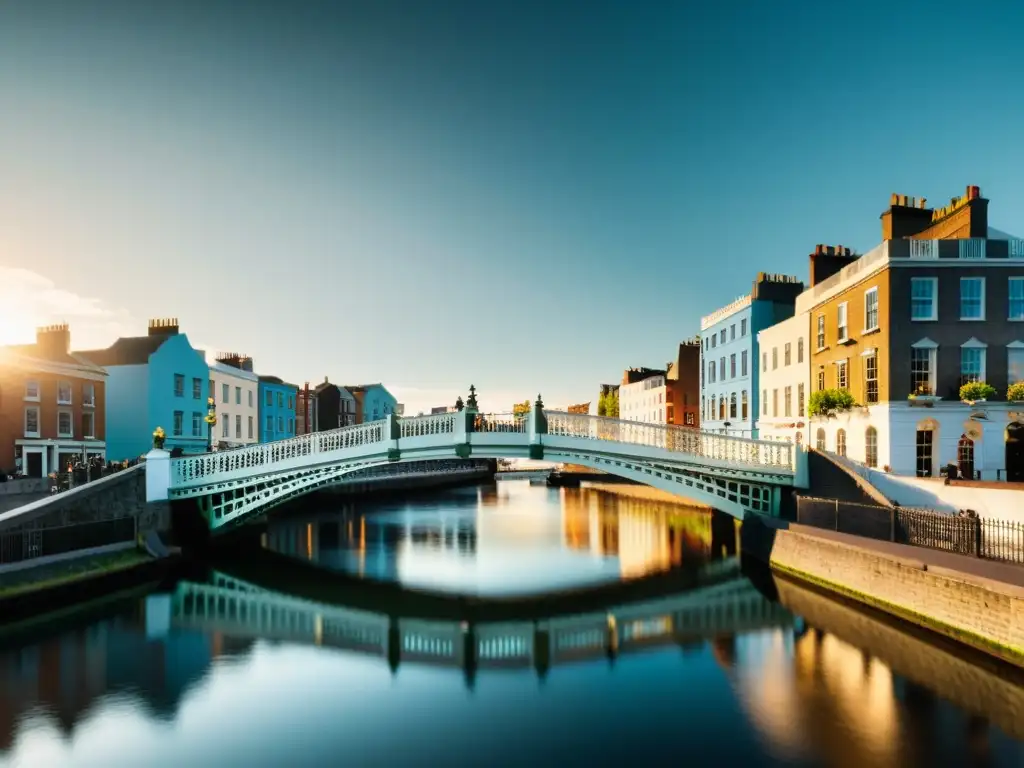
(1015, 452)
(33, 463)
(925, 444)
(965, 457)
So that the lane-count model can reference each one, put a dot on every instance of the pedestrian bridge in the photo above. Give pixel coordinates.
(733, 474)
(240, 609)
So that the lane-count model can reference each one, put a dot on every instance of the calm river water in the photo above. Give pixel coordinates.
(594, 628)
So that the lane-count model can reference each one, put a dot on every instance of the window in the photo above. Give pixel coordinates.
(871, 309)
(965, 457)
(732, 332)
(32, 422)
(1015, 364)
(821, 380)
(32, 390)
(711, 411)
(775, 358)
(924, 303)
(721, 368)
(689, 420)
(249, 393)
(225, 429)
(64, 426)
(819, 439)
(711, 371)
(197, 389)
(721, 409)
(291, 423)
(197, 424)
(972, 298)
(800, 401)
(88, 424)
(764, 403)
(871, 378)
(732, 366)
(714, 341)
(775, 402)
(89, 394)
(721, 337)
(64, 393)
(743, 327)
(179, 385)
(972, 364)
(787, 356)
(922, 370)
(270, 399)
(743, 363)
(250, 424)
(1016, 292)
(732, 406)
(291, 403)
(238, 397)
(743, 404)
(764, 362)
(269, 426)
(787, 402)
(842, 374)
(800, 350)
(225, 392)
(871, 447)
(238, 426)
(179, 417)
(821, 332)
(841, 442)
(842, 332)
(280, 400)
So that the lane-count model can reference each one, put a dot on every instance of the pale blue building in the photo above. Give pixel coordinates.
(277, 409)
(157, 380)
(373, 402)
(730, 356)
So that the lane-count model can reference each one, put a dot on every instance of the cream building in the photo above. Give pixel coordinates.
(644, 400)
(785, 380)
(235, 390)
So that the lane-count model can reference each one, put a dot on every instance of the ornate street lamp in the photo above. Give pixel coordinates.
(211, 422)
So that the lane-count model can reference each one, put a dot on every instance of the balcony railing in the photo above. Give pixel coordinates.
(924, 249)
(972, 248)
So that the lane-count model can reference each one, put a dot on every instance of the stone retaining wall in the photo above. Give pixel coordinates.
(985, 614)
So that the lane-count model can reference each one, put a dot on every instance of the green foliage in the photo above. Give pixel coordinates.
(976, 390)
(608, 405)
(521, 409)
(827, 402)
(1015, 392)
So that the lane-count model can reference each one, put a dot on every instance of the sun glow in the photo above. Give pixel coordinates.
(16, 327)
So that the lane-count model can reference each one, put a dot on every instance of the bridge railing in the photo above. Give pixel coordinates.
(501, 422)
(423, 426)
(735, 450)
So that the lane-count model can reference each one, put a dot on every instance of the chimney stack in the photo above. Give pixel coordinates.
(53, 342)
(165, 326)
(827, 260)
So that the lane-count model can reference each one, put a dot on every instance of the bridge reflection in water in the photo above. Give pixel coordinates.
(483, 541)
(237, 608)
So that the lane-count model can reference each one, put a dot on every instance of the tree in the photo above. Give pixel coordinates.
(612, 406)
(459, 405)
(602, 404)
(521, 409)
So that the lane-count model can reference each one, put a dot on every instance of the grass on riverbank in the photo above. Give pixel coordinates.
(54, 574)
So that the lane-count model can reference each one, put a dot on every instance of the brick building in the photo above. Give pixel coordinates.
(52, 405)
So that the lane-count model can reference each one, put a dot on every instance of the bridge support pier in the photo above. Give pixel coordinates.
(723, 535)
(541, 651)
(394, 645)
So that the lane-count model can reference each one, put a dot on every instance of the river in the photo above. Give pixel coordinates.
(497, 625)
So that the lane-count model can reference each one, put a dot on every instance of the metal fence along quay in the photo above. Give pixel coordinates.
(40, 543)
(1000, 540)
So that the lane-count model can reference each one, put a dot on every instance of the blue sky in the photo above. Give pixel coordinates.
(528, 196)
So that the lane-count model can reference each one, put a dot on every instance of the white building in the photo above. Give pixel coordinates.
(644, 400)
(785, 380)
(235, 389)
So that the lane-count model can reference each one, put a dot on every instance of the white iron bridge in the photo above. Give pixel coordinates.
(733, 474)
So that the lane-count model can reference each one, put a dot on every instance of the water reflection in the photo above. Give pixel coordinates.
(509, 538)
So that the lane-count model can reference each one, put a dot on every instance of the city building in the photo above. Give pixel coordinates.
(784, 380)
(235, 389)
(442, 409)
(400, 410)
(327, 406)
(682, 385)
(730, 370)
(939, 303)
(373, 402)
(157, 380)
(642, 395)
(277, 400)
(52, 405)
(306, 416)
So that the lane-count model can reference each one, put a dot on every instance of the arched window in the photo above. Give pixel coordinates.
(819, 439)
(871, 447)
(732, 406)
(841, 442)
(799, 438)
(965, 457)
(711, 414)
(721, 408)
(743, 402)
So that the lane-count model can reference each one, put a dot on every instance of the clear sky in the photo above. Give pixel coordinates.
(527, 196)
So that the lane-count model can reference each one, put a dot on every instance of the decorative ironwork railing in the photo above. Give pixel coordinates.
(501, 422)
(423, 426)
(736, 450)
(190, 468)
